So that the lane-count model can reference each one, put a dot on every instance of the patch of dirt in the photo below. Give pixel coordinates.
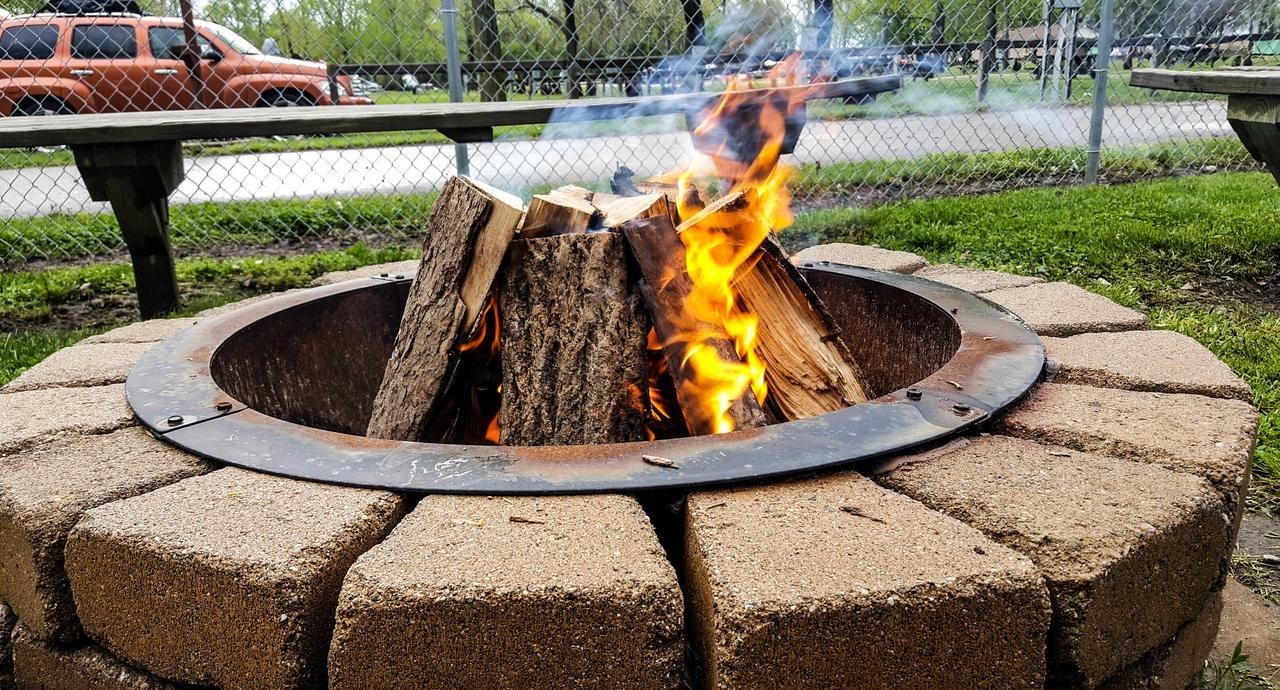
(1261, 293)
(1257, 558)
(98, 310)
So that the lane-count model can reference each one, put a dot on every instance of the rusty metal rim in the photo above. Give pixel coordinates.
(998, 360)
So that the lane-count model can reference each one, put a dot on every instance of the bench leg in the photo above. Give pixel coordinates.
(144, 222)
(136, 179)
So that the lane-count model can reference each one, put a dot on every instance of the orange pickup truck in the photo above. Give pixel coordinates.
(96, 63)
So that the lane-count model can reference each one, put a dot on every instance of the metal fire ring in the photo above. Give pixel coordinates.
(999, 358)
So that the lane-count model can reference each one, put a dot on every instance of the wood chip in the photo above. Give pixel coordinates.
(660, 461)
(956, 385)
(1060, 453)
(854, 510)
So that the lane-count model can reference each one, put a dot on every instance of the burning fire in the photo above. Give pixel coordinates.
(719, 245)
(485, 346)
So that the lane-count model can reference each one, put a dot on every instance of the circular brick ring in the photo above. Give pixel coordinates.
(1080, 541)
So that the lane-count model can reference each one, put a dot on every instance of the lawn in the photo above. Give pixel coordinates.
(297, 224)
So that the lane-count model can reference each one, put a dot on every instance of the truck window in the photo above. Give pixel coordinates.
(29, 42)
(163, 40)
(104, 42)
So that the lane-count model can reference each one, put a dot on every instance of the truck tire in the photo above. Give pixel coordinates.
(285, 98)
(42, 105)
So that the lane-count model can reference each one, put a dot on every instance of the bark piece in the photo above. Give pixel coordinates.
(573, 343)
(808, 369)
(557, 214)
(469, 230)
(665, 288)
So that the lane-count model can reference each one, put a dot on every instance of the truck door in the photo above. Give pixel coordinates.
(169, 77)
(104, 56)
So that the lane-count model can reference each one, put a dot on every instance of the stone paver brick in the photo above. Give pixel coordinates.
(974, 280)
(1210, 437)
(1175, 664)
(862, 255)
(555, 591)
(150, 331)
(836, 582)
(81, 365)
(45, 490)
(31, 417)
(1163, 361)
(406, 268)
(1062, 309)
(1130, 550)
(41, 666)
(228, 579)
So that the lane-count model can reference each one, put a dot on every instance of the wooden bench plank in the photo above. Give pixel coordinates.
(115, 128)
(1257, 82)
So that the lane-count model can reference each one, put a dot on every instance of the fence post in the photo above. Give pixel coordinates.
(1093, 153)
(453, 62)
(988, 61)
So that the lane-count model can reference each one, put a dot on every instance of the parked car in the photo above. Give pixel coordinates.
(53, 63)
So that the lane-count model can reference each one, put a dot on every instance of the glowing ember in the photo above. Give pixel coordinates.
(720, 241)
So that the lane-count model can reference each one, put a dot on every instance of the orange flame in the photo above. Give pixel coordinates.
(720, 245)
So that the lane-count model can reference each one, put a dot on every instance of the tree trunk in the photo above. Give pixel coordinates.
(695, 24)
(573, 344)
(571, 47)
(824, 21)
(486, 47)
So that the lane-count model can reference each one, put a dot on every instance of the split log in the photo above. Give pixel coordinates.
(468, 232)
(558, 214)
(665, 288)
(573, 343)
(615, 209)
(808, 368)
(619, 210)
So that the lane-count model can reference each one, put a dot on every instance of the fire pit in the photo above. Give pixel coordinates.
(286, 386)
(1080, 545)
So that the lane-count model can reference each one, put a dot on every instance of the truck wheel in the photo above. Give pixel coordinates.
(42, 105)
(285, 98)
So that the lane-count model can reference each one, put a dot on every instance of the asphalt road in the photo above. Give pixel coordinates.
(565, 155)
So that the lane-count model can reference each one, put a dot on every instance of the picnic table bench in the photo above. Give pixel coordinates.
(134, 160)
(1253, 102)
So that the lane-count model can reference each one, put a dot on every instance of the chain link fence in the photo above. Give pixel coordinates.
(995, 94)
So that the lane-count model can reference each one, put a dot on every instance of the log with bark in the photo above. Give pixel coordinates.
(665, 287)
(573, 343)
(468, 232)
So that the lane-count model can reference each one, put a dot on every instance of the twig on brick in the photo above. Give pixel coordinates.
(526, 520)
(854, 510)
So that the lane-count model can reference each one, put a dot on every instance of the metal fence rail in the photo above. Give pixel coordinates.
(996, 93)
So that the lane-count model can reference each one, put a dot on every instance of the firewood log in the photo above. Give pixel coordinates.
(573, 343)
(665, 287)
(468, 232)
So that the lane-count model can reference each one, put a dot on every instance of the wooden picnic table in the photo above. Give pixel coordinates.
(134, 160)
(1253, 102)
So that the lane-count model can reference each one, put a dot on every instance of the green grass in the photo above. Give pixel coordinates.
(1139, 244)
(18, 351)
(196, 227)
